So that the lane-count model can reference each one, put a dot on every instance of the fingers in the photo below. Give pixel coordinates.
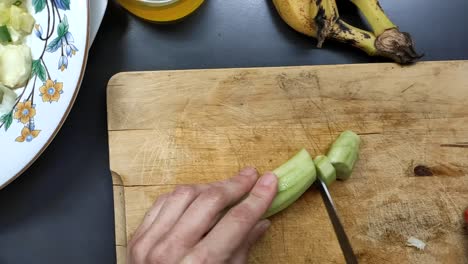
(239, 221)
(242, 253)
(201, 214)
(150, 216)
(171, 210)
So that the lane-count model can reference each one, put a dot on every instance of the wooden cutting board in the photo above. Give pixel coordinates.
(183, 127)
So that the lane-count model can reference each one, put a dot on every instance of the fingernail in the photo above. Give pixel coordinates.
(248, 171)
(268, 179)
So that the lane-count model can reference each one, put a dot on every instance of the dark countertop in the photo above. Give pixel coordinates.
(61, 210)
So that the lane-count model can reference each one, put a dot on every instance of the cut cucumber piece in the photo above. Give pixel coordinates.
(21, 20)
(7, 100)
(15, 17)
(294, 178)
(286, 198)
(27, 23)
(291, 172)
(4, 15)
(325, 170)
(343, 154)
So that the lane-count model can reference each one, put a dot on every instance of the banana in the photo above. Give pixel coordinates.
(390, 41)
(320, 19)
(294, 178)
(325, 14)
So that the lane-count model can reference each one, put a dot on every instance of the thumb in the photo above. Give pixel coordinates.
(241, 255)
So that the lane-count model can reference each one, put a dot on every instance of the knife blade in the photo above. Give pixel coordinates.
(343, 240)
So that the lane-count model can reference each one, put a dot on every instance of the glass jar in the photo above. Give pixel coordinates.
(161, 10)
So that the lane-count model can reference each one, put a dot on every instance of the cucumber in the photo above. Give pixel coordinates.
(343, 154)
(15, 65)
(292, 171)
(325, 170)
(4, 15)
(286, 198)
(7, 100)
(20, 20)
(294, 178)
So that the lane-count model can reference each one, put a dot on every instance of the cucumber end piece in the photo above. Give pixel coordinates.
(344, 153)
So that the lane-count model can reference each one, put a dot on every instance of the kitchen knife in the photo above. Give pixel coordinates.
(339, 230)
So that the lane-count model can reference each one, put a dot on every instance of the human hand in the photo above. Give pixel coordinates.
(191, 225)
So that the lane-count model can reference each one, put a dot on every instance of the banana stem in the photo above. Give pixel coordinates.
(359, 38)
(374, 14)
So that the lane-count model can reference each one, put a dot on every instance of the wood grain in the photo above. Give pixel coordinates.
(181, 127)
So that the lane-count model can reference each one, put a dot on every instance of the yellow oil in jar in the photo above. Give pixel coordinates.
(161, 10)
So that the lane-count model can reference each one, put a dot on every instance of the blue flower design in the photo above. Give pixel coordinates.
(38, 30)
(62, 4)
(63, 63)
(69, 38)
(71, 50)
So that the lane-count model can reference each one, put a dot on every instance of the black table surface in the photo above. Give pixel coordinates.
(61, 209)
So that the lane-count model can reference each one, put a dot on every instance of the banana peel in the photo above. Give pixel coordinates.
(320, 19)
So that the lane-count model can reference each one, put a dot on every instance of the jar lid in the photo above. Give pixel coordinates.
(161, 11)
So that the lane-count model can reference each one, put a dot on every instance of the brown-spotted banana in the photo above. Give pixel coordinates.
(320, 19)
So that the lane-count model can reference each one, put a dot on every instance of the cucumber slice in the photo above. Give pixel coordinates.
(294, 178)
(343, 154)
(325, 170)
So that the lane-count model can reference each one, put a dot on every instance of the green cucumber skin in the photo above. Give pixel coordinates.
(343, 154)
(296, 176)
(325, 170)
(290, 172)
(286, 198)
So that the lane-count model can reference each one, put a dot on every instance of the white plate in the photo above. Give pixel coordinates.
(97, 8)
(46, 101)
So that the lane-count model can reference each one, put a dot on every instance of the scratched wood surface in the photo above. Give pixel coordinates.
(182, 127)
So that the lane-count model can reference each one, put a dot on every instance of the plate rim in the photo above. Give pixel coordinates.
(67, 111)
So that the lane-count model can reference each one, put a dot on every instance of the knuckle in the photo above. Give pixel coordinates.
(137, 250)
(184, 191)
(241, 183)
(158, 254)
(198, 256)
(258, 196)
(215, 196)
(242, 213)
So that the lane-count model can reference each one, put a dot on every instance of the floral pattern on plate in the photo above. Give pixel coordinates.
(58, 42)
